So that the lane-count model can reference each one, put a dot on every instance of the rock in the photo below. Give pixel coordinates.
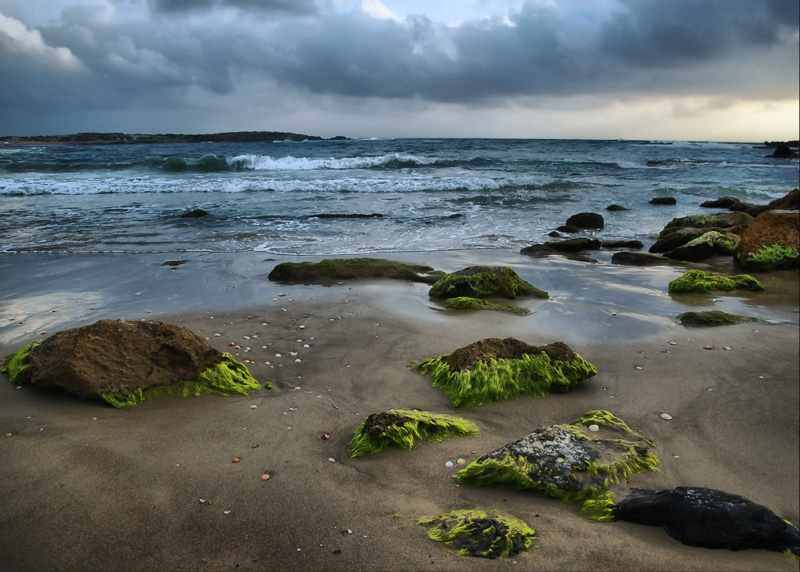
(586, 220)
(676, 238)
(464, 303)
(710, 518)
(126, 362)
(783, 152)
(679, 231)
(634, 244)
(328, 271)
(712, 318)
(474, 533)
(538, 250)
(663, 201)
(712, 243)
(615, 208)
(730, 203)
(484, 282)
(707, 282)
(772, 241)
(196, 213)
(402, 428)
(639, 259)
(574, 244)
(494, 369)
(789, 202)
(568, 228)
(564, 461)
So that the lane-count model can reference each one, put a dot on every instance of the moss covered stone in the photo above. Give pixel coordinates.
(474, 533)
(329, 270)
(17, 363)
(465, 303)
(700, 281)
(402, 428)
(772, 257)
(713, 318)
(493, 369)
(484, 282)
(600, 508)
(569, 462)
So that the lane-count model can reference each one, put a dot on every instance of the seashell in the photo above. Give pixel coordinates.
(708, 347)
(325, 437)
(460, 461)
(265, 477)
(448, 464)
(666, 416)
(236, 459)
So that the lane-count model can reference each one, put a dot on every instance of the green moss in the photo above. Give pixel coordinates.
(228, 377)
(402, 428)
(600, 508)
(537, 375)
(15, 365)
(712, 318)
(775, 256)
(329, 270)
(474, 533)
(583, 476)
(700, 281)
(484, 282)
(722, 243)
(466, 303)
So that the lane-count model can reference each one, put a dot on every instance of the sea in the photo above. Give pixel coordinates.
(362, 196)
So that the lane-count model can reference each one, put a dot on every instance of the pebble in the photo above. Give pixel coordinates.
(278, 355)
(460, 461)
(203, 501)
(666, 416)
(331, 459)
(673, 343)
(728, 348)
(265, 477)
(638, 367)
(236, 459)
(448, 464)
(253, 406)
(226, 512)
(708, 347)
(594, 427)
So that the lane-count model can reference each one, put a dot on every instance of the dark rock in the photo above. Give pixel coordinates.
(586, 220)
(328, 271)
(554, 234)
(789, 202)
(639, 259)
(196, 213)
(712, 318)
(487, 349)
(484, 282)
(538, 250)
(615, 208)
(772, 241)
(756, 210)
(717, 221)
(711, 243)
(783, 152)
(574, 244)
(730, 203)
(635, 244)
(663, 201)
(710, 518)
(568, 228)
(354, 215)
(677, 237)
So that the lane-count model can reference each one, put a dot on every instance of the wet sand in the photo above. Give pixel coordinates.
(87, 487)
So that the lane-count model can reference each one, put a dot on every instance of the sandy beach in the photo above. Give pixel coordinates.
(154, 487)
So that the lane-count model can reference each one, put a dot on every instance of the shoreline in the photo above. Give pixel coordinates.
(95, 488)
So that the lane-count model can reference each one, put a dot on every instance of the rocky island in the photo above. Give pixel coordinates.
(125, 138)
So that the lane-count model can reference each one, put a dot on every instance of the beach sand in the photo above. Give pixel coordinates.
(88, 487)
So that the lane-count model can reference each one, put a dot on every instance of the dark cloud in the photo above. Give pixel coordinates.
(286, 6)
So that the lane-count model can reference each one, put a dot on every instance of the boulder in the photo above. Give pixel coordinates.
(772, 241)
(465, 303)
(676, 238)
(586, 220)
(639, 259)
(634, 244)
(125, 362)
(784, 152)
(712, 318)
(707, 282)
(328, 271)
(615, 208)
(574, 244)
(666, 201)
(196, 213)
(569, 228)
(474, 533)
(679, 231)
(710, 518)
(712, 243)
(402, 428)
(788, 202)
(538, 250)
(494, 369)
(730, 203)
(569, 462)
(484, 282)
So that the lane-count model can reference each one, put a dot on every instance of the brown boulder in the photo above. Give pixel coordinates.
(114, 355)
(788, 202)
(771, 241)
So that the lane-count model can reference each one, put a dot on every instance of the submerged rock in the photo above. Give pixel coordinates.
(633, 244)
(494, 369)
(564, 461)
(402, 428)
(700, 281)
(574, 244)
(713, 318)
(666, 201)
(328, 271)
(196, 213)
(710, 518)
(730, 203)
(639, 259)
(126, 362)
(484, 282)
(586, 220)
(474, 533)
(771, 242)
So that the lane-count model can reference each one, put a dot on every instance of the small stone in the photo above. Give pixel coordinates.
(638, 367)
(226, 512)
(708, 347)
(253, 406)
(278, 355)
(265, 477)
(236, 459)
(594, 427)
(301, 327)
(460, 461)
(325, 437)
(666, 416)
(331, 459)
(727, 348)
(448, 464)
(673, 343)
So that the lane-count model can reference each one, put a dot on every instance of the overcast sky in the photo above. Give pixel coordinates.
(639, 69)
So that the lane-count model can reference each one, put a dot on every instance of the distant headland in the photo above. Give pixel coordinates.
(138, 138)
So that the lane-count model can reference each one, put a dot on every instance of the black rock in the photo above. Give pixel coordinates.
(196, 213)
(635, 244)
(574, 244)
(538, 250)
(663, 201)
(632, 258)
(710, 518)
(730, 203)
(586, 220)
(571, 229)
(784, 152)
(613, 208)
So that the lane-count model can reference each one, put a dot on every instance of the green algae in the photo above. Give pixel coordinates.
(713, 318)
(402, 428)
(329, 270)
(707, 282)
(474, 533)
(228, 377)
(720, 242)
(775, 256)
(466, 303)
(495, 380)
(15, 365)
(583, 475)
(484, 282)
(600, 508)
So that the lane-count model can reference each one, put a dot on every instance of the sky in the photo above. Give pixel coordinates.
(709, 70)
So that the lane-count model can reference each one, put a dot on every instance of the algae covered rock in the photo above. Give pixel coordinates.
(465, 303)
(494, 369)
(640, 259)
(711, 243)
(126, 362)
(700, 281)
(402, 428)
(712, 318)
(484, 282)
(329, 270)
(771, 242)
(474, 533)
(569, 462)
(710, 518)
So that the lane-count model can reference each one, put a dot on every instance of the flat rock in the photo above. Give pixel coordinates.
(328, 271)
(640, 259)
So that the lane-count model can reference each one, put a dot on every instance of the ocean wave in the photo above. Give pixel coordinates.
(291, 163)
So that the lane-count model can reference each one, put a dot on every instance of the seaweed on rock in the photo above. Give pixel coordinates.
(713, 318)
(474, 533)
(700, 281)
(15, 365)
(402, 428)
(484, 282)
(467, 303)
